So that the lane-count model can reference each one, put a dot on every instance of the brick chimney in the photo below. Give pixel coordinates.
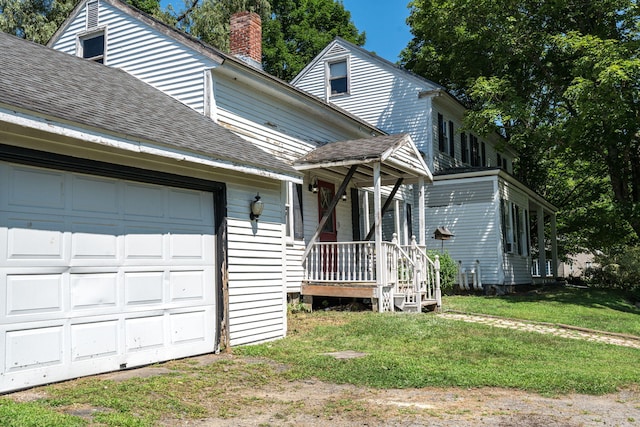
(245, 38)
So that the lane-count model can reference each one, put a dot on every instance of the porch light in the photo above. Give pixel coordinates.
(313, 187)
(256, 208)
(344, 196)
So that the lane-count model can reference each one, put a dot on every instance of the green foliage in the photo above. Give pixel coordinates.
(152, 7)
(299, 30)
(448, 270)
(560, 80)
(619, 270)
(34, 20)
(293, 32)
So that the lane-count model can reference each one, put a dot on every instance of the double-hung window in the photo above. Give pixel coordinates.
(338, 77)
(293, 212)
(445, 135)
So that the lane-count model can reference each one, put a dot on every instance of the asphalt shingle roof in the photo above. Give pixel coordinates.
(61, 86)
(356, 149)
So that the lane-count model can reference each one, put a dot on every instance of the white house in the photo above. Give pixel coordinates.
(125, 223)
(282, 120)
(473, 196)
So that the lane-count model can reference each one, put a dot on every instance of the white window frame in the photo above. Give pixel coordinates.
(81, 37)
(289, 214)
(328, 79)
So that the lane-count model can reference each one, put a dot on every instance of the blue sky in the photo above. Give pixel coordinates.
(382, 20)
(384, 23)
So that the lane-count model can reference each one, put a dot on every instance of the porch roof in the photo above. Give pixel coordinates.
(397, 154)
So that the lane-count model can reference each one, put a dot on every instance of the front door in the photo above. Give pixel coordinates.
(326, 192)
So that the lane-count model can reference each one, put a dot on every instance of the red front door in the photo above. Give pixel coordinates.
(326, 192)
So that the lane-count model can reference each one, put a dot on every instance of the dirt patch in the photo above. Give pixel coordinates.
(307, 403)
(279, 402)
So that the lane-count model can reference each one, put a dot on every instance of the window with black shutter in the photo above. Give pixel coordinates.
(452, 145)
(441, 133)
(464, 148)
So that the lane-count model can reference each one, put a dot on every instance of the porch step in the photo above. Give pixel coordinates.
(400, 304)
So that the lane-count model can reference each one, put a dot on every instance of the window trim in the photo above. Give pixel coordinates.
(328, 76)
(86, 35)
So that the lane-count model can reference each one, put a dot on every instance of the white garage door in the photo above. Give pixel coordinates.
(98, 274)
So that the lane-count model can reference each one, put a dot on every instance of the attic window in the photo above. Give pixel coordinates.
(92, 46)
(338, 78)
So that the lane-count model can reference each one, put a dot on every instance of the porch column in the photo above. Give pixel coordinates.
(542, 260)
(421, 209)
(377, 222)
(554, 247)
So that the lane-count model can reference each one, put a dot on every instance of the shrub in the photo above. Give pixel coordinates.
(618, 271)
(448, 271)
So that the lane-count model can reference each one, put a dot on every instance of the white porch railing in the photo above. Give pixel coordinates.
(341, 262)
(408, 273)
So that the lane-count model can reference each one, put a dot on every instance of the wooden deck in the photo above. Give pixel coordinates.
(340, 289)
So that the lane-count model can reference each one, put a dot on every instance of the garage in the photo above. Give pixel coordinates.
(100, 271)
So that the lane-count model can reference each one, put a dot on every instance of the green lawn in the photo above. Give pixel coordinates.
(588, 308)
(401, 350)
(425, 350)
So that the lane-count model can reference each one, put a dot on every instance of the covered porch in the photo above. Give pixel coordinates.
(394, 274)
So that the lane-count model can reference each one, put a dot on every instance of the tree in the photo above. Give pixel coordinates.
(294, 31)
(558, 79)
(34, 20)
(299, 29)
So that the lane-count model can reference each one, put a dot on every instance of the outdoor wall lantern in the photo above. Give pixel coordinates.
(313, 187)
(344, 196)
(256, 208)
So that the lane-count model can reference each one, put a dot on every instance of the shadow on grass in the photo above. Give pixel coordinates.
(589, 297)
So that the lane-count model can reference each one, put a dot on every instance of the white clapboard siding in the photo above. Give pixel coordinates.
(145, 53)
(517, 267)
(294, 269)
(255, 258)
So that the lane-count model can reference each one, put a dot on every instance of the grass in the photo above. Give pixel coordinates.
(588, 308)
(422, 351)
(401, 351)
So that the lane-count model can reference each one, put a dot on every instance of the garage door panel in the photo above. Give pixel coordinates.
(34, 294)
(188, 327)
(189, 205)
(187, 285)
(32, 348)
(143, 287)
(31, 238)
(93, 291)
(143, 243)
(95, 339)
(146, 333)
(144, 200)
(37, 188)
(95, 195)
(94, 240)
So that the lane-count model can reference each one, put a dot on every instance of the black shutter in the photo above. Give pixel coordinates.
(440, 134)
(452, 146)
(463, 148)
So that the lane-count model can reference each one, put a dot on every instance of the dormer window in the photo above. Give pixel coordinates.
(338, 78)
(92, 46)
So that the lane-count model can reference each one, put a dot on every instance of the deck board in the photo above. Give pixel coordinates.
(343, 289)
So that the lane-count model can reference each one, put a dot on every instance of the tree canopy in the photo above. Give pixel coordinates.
(294, 31)
(561, 81)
